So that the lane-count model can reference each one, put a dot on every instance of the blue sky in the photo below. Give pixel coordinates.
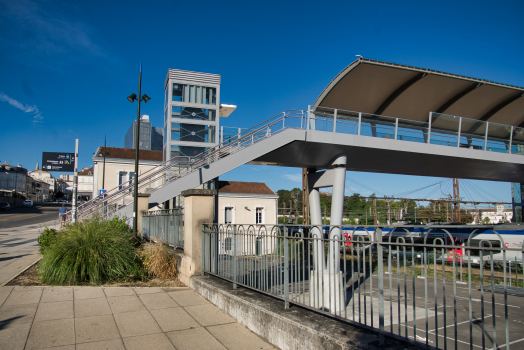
(66, 67)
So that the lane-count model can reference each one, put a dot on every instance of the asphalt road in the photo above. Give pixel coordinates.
(20, 216)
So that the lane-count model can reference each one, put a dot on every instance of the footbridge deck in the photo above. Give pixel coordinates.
(313, 138)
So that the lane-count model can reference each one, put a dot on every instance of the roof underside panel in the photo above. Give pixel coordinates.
(440, 89)
(366, 88)
(480, 101)
(412, 93)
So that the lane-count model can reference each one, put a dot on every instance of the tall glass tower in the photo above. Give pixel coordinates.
(191, 112)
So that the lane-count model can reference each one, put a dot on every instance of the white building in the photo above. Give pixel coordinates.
(253, 205)
(499, 215)
(85, 183)
(120, 166)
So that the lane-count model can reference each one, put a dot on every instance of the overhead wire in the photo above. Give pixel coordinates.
(498, 199)
(476, 191)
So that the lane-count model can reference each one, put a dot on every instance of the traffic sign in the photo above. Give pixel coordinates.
(58, 161)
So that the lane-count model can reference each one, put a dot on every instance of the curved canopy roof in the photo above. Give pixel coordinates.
(412, 93)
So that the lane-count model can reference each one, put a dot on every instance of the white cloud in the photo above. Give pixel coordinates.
(37, 117)
(293, 177)
(32, 30)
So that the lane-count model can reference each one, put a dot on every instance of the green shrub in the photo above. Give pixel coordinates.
(93, 251)
(46, 239)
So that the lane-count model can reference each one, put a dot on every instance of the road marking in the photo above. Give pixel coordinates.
(488, 302)
(452, 325)
(460, 341)
(513, 342)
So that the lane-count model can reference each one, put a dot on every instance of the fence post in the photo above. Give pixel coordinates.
(204, 265)
(286, 270)
(234, 256)
(378, 236)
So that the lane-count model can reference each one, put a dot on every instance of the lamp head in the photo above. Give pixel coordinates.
(131, 98)
(145, 98)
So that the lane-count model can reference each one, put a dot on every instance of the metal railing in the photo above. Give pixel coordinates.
(440, 129)
(178, 167)
(427, 288)
(164, 225)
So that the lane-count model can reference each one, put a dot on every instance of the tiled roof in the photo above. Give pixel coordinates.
(87, 171)
(244, 187)
(129, 153)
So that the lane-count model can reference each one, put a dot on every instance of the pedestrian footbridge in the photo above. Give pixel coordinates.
(383, 117)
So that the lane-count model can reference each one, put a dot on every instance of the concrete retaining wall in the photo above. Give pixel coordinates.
(294, 328)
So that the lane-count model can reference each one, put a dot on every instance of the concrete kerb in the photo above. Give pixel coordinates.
(294, 328)
(22, 271)
(49, 224)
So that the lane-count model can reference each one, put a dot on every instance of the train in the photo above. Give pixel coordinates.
(508, 235)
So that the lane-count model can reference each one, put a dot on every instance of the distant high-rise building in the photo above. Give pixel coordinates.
(157, 139)
(145, 134)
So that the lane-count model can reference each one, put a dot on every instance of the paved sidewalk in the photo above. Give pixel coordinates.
(117, 318)
(105, 317)
(19, 248)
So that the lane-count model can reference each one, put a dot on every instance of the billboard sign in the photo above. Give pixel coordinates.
(58, 161)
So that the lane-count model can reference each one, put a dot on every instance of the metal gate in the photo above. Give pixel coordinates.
(165, 225)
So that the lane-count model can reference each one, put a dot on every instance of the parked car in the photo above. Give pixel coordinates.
(28, 203)
(5, 206)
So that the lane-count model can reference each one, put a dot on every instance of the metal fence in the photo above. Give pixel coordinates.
(430, 286)
(165, 225)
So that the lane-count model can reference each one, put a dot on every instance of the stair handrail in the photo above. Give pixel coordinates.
(193, 163)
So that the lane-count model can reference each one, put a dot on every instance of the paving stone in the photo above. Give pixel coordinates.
(147, 290)
(52, 294)
(91, 307)
(65, 347)
(55, 311)
(4, 293)
(21, 296)
(118, 291)
(18, 313)
(95, 328)
(196, 338)
(174, 319)
(136, 323)
(5, 277)
(113, 344)
(158, 301)
(234, 336)
(187, 298)
(158, 341)
(208, 315)
(129, 303)
(13, 336)
(46, 334)
(88, 292)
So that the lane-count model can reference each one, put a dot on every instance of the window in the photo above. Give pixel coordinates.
(194, 94)
(186, 151)
(193, 113)
(228, 219)
(192, 132)
(122, 179)
(228, 244)
(259, 216)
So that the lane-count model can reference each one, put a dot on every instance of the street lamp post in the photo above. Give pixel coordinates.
(131, 98)
(104, 154)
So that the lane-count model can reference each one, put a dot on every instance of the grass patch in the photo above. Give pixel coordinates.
(93, 251)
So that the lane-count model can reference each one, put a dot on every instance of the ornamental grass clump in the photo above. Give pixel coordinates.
(93, 251)
(158, 260)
